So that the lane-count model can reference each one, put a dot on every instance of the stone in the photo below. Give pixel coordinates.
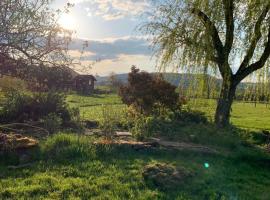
(123, 134)
(16, 142)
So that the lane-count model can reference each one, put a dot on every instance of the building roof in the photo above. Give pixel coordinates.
(85, 77)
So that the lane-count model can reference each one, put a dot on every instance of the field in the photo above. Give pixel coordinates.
(244, 115)
(70, 166)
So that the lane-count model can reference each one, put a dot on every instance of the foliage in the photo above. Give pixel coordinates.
(114, 83)
(147, 93)
(52, 123)
(67, 163)
(109, 121)
(33, 33)
(191, 35)
(20, 107)
(244, 115)
(191, 116)
(63, 146)
(12, 84)
(143, 127)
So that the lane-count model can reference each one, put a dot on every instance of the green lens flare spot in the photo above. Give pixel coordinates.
(206, 165)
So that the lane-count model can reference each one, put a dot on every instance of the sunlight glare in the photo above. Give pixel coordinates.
(67, 21)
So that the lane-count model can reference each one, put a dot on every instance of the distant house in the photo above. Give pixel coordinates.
(84, 84)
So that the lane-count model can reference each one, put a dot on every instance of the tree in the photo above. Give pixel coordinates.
(29, 32)
(114, 82)
(147, 92)
(232, 36)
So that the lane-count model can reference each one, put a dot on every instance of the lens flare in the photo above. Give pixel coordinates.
(206, 165)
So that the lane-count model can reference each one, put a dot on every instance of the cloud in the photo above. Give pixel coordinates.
(77, 54)
(113, 9)
(111, 49)
(121, 65)
(116, 55)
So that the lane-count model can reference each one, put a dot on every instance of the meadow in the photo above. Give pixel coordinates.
(244, 115)
(70, 166)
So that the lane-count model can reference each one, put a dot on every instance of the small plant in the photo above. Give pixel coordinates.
(52, 123)
(144, 127)
(8, 84)
(109, 120)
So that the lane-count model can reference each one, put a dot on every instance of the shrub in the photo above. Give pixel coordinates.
(189, 116)
(144, 127)
(52, 123)
(12, 84)
(109, 120)
(148, 93)
(51, 108)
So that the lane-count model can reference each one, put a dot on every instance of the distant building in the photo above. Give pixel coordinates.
(44, 78)
(84, 84)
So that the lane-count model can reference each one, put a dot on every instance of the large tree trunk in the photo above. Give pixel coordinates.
(222, 116)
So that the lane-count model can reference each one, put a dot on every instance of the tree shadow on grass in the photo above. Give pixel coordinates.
(124, 165)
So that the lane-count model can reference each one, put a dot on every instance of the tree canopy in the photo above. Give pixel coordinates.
(231, 37)
(29, 31)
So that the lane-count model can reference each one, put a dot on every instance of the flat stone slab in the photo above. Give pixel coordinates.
(123, 134)
(182, 145)
(156, 142)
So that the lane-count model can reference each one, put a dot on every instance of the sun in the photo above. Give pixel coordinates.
(67, 21)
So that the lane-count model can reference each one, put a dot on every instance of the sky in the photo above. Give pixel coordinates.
(110, 27)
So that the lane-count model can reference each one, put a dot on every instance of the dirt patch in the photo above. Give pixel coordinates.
(165, 176)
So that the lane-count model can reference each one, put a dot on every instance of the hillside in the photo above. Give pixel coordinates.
(174, 78)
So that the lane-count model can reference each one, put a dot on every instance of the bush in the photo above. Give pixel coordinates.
(52, 123)
(109, 121)
(144, 127)
(49, 108)
(189, 116)
(148, 93)
(12, 84)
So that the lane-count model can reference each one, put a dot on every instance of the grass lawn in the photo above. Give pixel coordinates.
(70, 166)
(244, 115)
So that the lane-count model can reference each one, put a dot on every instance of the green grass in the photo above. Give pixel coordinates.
(72, 167)
(244, 115)
(91, 106)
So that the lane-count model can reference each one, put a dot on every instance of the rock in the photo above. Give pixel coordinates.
(16, 142)
(182, 146)
(165, 176)
(123, 134)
